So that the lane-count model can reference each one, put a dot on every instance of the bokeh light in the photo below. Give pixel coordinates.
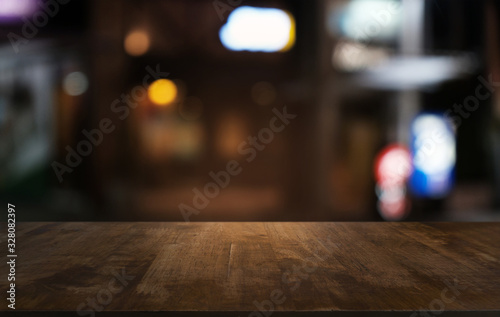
(232, 129)
(393, 165)
(368, 20)
(433, 150)
(258, 29)
(162, 92)
(75, 83)
(392, 169)
(435, 144)
(16, 8)
(352, 56)
(137, 43)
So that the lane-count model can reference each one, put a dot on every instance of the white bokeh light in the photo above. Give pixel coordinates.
(258, 29)
(371, 19)
(434, 145)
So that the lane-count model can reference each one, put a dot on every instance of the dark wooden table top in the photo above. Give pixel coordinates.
(255, 268)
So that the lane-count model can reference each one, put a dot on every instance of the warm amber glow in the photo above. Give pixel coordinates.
(291, 38)
(231, 132)
(137, 43)
(162, 92)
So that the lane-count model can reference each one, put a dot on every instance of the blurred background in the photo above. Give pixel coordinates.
(248, 110)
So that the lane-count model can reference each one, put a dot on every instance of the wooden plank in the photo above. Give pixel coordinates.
(267, 267)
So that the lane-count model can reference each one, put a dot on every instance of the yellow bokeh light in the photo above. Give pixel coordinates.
(162, 92)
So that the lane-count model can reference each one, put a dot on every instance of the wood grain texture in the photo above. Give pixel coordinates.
(243, 267)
